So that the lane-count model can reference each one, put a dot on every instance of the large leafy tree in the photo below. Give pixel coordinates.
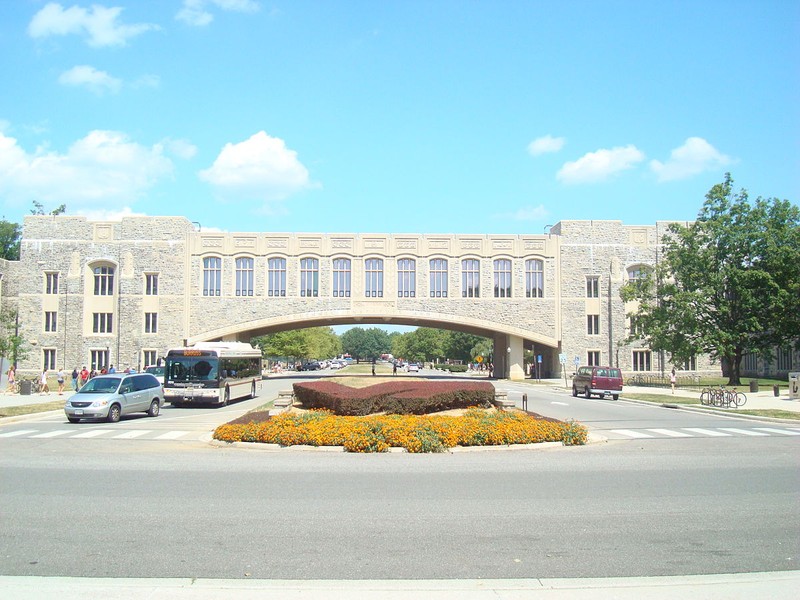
(727, 284)
(313, 342)
(366, 343)
(10, 234)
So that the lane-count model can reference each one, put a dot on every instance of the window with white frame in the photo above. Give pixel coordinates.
(50, 321)
(638, 272)
(593, 324)
(635, 326)
(49, 358)
(642, 360)
(51, 283)
(373, 278)
(592, 287)
(406, 278)
(149, 358)
(276, 276)
(212, 276)
(244, 276)
(309, 277)
(593, 358)
(104, 281)
(783, 358)
(470, 278)
(150, 322)
(691, 364)
(99, 359)
(102, 323)
(438, 274)
(502, 278)
(534, 278)
(341, 278)
(151, 284)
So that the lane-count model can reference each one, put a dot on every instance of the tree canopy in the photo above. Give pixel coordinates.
(367, 344)
(313, 342)
(725, 285)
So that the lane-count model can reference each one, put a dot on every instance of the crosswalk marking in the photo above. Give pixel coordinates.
(171, 435)
(670, 432)
(92, 433)
(708, 432)
(50, 434)
(16, 433)
(743, 431)
(631, 433)
(132, 434)
(780, 431)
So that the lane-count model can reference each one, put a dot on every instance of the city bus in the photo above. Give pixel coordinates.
(211, 373)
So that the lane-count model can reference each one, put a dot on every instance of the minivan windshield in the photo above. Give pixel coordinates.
(101, 385)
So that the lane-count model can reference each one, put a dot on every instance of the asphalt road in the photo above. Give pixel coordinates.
(97, 507)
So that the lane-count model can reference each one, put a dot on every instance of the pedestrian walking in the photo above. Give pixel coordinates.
(43, 387)
(75, 379)
(12, 380)
(672, 380)
(60, 380)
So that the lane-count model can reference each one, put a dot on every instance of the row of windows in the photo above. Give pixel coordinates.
(373, 277)
(641, 360)
(103, 282)
(98, 359)
(101, 322)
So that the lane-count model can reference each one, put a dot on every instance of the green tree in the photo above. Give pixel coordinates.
(726, 284)
(366, 344)
(11, 343)
(424, 344)
(38, 209)
(10, 234)
(458, 345)
(313, 342)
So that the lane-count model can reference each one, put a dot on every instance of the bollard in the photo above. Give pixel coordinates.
(776, 391)
(525, 402)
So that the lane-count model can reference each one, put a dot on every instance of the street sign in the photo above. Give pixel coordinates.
(539, 358)
(577, 360)
(562, 358)
(479, 359)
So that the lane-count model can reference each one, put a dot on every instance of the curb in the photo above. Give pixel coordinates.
(713, 411)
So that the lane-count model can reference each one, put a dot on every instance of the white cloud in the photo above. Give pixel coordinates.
(600, 165)
(100, 170)
(525, 213)
(196, 13)
(98, 82)
(180, 148)
(99, 24)
(261, 167)
(694, 157)
(545, 145)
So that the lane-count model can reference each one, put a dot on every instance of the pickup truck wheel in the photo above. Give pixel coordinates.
(587, 393)
(615, 396)
(574, 391)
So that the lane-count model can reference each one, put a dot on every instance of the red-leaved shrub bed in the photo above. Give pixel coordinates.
(394, 397)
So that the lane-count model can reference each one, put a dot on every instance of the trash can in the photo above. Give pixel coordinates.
(754, 385)
(25, 387)
(794, 386)
(776, 390)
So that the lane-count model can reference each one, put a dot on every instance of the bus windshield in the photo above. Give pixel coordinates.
(192, 368)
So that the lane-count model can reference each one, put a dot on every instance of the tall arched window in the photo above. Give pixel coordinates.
(341, 277)
(244, 276)
(438, 278)
(104, 281)
(276, 276)
(502, 278)
(470, 278)
(309, 277)
(373, 278)
(212, 276)
(534, 278)
(406, 278)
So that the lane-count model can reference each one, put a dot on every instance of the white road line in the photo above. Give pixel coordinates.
(743, 431)
(560, 403)
(92, 433)
(132, 434)
(631, 433)
(171, 435)
(670, 432)
(709, 432)
(16, 433)
(779, 431)
(49, 434)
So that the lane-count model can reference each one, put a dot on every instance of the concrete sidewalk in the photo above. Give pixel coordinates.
(737, 586)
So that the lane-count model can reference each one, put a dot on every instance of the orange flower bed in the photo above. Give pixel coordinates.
(415, 433)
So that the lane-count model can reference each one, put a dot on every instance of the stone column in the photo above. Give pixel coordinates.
(516, 363)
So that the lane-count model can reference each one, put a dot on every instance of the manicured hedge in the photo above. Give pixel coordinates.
(404, 396)
(453, 368)
(378, 433)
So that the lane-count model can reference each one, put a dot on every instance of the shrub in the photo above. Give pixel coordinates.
(412, 432)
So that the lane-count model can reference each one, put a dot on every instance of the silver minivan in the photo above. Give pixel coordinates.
(111, 396)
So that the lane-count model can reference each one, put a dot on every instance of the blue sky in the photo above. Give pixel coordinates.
(400, 117)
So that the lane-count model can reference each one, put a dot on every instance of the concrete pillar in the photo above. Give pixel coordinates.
(499, 356)
(516, 362)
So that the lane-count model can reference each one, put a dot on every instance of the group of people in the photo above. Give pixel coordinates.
(79, 378)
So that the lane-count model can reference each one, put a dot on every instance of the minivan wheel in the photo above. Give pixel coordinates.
(574, 391)
(587, 393)
(154, 409)
(114, 413)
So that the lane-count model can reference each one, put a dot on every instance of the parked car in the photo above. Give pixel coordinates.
(311, 365)
(599, 381)
(111, 396)
(413, 368)
(158, 372)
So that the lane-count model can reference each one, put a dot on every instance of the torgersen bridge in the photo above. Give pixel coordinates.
(133, 288)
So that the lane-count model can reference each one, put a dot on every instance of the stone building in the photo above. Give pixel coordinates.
(97, 293)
